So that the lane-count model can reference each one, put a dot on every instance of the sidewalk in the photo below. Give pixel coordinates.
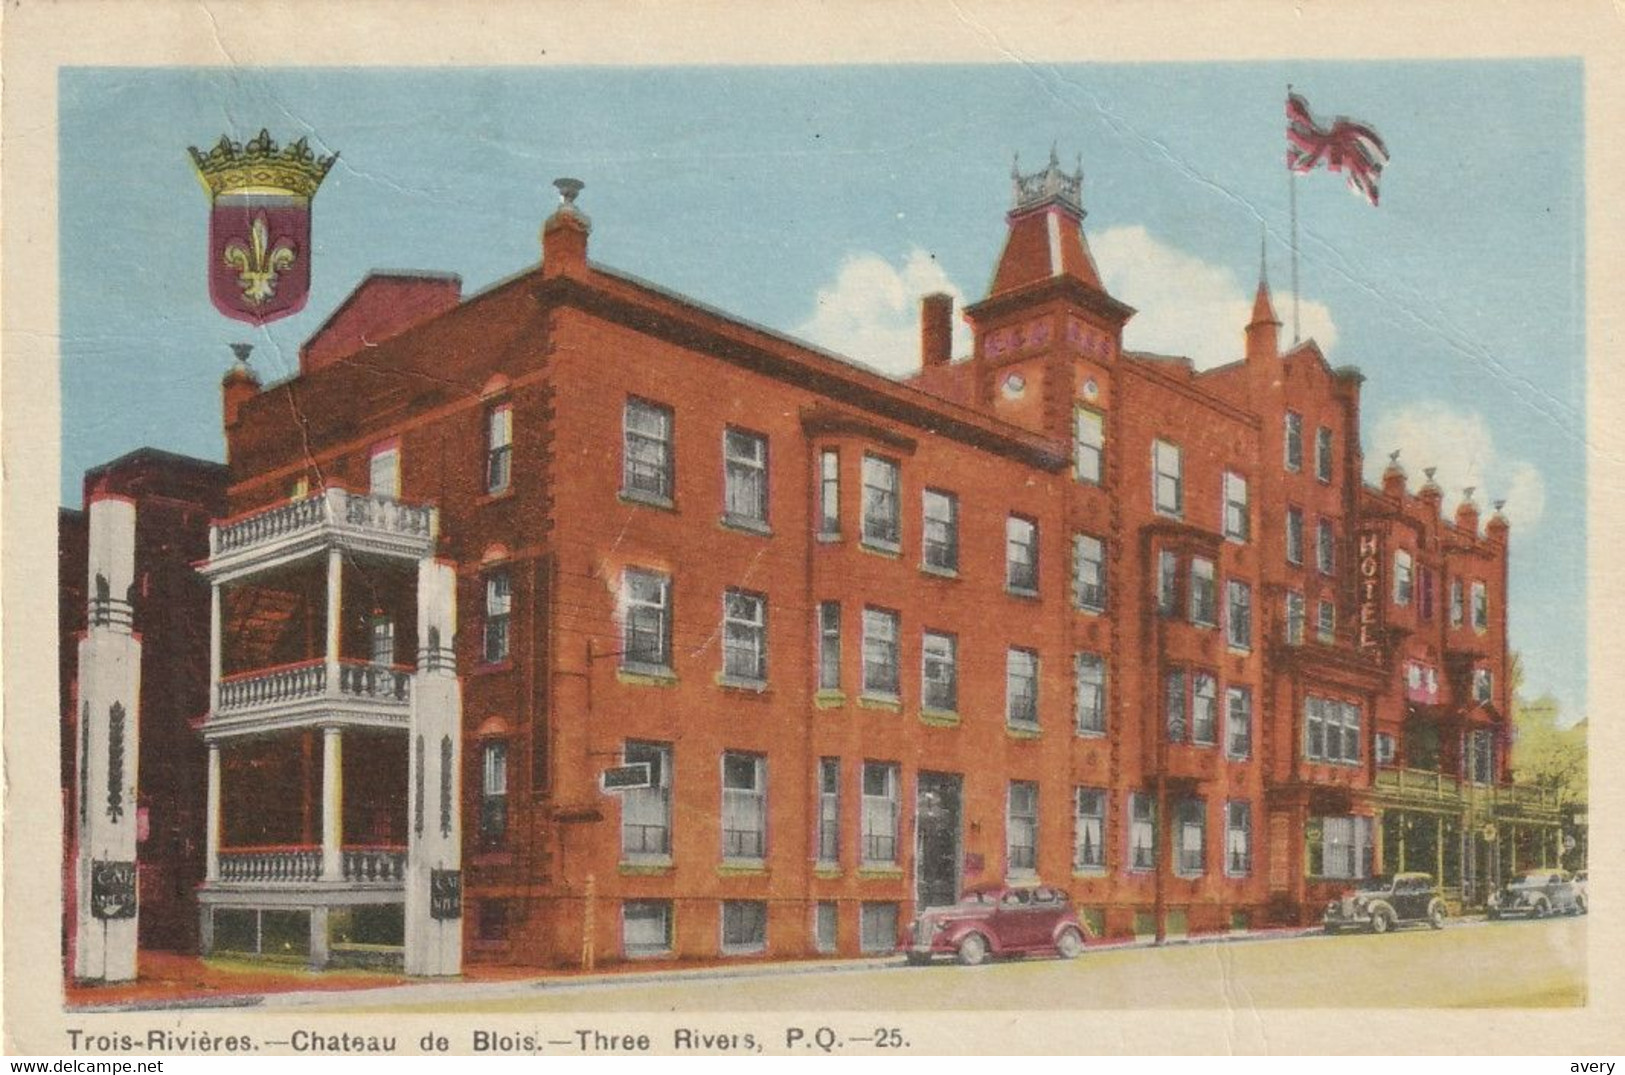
(171, 981)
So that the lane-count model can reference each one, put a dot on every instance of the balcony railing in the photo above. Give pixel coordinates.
(1419, 782)
(308, 680)
(337, 508)
(374, 865)
(283, 865)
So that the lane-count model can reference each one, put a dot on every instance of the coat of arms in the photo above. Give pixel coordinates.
(259, 224)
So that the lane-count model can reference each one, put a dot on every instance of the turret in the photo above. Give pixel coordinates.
(1264, 330)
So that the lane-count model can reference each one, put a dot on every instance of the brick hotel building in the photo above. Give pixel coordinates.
(1056, 611)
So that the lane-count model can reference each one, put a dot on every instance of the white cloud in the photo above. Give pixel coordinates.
(871, 311)
(1461, 448)
(1188, 306)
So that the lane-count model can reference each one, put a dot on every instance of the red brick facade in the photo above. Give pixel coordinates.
(656, 519)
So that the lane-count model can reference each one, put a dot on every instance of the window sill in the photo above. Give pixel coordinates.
(875, 548)
(939, 718)
(1021, 874)
(1090, 610)
(1239, 759)
(1204, 625)
(828, 539)
(1022, 731)
(1188, 875)
(752, 950)
(829, 699)
(1090, 733)
(647, 500)
(891, 703)
(645, 676)
(1239, 651)
(939, 572)
(880, 873)
(734, 683)
(650, 954)
(493, 668)
(745, 525)
(742, 869)
(1021, 592)
(827, 873)
(1088, 873)
(650, 868)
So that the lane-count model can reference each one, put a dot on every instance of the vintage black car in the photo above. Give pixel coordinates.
(1538, 893)
(1383, 902)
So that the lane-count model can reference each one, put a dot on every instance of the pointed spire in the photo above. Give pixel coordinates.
(1264, 330)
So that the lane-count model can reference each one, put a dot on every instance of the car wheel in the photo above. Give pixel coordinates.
(1382, 921)
(973, 950)
(1436, 916)
(917, 959)
(1540, 910)
(1070, 943)
(1580, 905)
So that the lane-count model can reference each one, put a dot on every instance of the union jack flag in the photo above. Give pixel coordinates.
(1346, 146)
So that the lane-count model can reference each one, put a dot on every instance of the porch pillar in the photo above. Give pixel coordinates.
(434, 926)
(335, 613)
(332, 803)
(215, 601)
(211, 822)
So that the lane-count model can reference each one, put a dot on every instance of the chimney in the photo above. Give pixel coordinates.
(1467, 512)
(564, 235)
(1431, 495)
(239, 385)
(936, 330)
(1496, 529)
(1393, 478)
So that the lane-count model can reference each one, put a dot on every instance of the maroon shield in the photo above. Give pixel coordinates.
(259, 255)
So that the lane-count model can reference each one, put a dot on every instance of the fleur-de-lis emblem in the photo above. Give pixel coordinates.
(259, 263)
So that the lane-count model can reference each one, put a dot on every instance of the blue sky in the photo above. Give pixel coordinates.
(821, 200)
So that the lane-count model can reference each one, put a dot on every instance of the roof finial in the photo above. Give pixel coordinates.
(1263, 260)
(242, 351)
(1393, 458)
(1429, 472)
(1054, 153)
(1499, 504)
(1467, 493)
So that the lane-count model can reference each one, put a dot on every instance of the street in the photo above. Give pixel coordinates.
(1469, 964)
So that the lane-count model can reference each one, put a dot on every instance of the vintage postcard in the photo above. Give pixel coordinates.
(841, 529)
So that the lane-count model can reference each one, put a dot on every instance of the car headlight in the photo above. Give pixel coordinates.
(940, 926)
(1331, 906)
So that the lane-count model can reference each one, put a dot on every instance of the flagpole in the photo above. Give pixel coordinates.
(1292, 201)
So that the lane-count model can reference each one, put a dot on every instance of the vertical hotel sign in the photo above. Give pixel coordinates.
(1371, 593)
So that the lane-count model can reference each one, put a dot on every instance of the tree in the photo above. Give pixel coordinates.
(1546, 755)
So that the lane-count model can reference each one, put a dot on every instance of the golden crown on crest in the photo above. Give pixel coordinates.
(258, 165)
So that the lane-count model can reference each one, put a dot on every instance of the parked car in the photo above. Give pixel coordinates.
(998, 920)
(1383, 902)
(1583, 890)
(1538, 893)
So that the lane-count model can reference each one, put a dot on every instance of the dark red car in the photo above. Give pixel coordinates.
(998, 920)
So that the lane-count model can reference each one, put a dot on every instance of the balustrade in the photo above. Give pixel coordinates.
(374, 865)
(303, 865)
(337, 507)
(274, 687)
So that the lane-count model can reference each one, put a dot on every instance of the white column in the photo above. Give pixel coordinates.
(434, 939)
(335, 612)
(215, 598)
(332, 803)
(212, 816)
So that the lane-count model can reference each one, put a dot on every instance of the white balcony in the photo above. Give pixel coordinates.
(359, 695)
(355, 522)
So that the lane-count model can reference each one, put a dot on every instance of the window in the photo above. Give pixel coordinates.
(1481, 608)
(1021, 829)
(829, 646)
(1088, 573)
(493, 794)
(1331, 730)
(1204, 609)
(881, 525)
(1481, 756)
(829, 493)
(1089, 686)
(880, 820)
(1167, 583)
(939, 687)
(744, 636)
(1385, 749)
(1294, 535)
(381, 640)
(1235, 506)
(646, 928)
(1323, 454)
(880, 652)
(499, 448)
(1325, 546)
(1326, 623)
(1294, 440)
(1174, 705)
(1238, 618)
(1339, 847)
(1457, 605)
(744, 926)
(646, 620)
(384, 471)
(646, 812)
(1142, 833)
(1089, 830)
(877, 927)
(1190, 849)
(1402, 577)
(1088, 444)
(646, 463)
(744, 806)
(939, 534)
(826, 923)
(1204, 709)
(498, 613)
(745, 464)
(1021, 688)
(1168, 478)
(1238, 839)
(1238, 722)
(1424, 592)
(1021, 555)
(1294, 618)
(1483, 685)
(829, 811)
